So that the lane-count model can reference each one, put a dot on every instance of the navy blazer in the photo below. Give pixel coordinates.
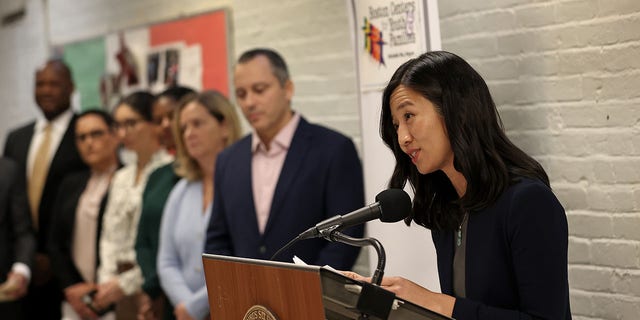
(321, 177)
(516, 258)
(17, 240)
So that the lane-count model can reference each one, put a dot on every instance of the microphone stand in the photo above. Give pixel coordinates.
(332, 235)
(373, 299)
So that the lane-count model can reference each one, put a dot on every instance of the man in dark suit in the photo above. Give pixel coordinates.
(45, 150)
(78, 211)
(283, 178)
(17, 242)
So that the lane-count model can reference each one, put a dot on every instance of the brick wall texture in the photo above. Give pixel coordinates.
(566, 78)
(565, 75)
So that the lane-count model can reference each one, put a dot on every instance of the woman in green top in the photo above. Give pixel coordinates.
(160, 183)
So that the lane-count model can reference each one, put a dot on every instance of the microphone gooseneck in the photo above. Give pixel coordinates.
(361, 242)
(391, 205)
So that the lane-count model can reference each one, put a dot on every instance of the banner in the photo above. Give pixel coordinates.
(386, 34)
(192, 51)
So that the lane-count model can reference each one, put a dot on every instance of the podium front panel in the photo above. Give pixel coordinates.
(235, 285)
(290, 292)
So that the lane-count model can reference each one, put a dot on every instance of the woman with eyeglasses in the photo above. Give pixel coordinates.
(78, 212)
(204, 125)
(119, 276)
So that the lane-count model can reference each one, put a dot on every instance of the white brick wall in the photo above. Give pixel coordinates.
(566, 77)
(565, 74)
(22, 48)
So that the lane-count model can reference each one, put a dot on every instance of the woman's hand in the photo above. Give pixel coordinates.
(411, 291)
(355, 276)
(145, 310)
(74, 293)
(419, 295)
(108, 293)
(181, 312)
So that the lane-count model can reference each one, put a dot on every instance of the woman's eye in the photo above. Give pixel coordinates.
(408, 116)
(395, 126)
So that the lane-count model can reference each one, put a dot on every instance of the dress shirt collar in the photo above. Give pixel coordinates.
(59, 124)
(282, 139)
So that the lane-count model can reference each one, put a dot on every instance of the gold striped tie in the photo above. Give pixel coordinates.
(39, 174)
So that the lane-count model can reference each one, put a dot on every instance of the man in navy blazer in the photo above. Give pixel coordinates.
(17, 241)
(284, 178)
(53, 89)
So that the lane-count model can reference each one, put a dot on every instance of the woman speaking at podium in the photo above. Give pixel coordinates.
(500, 233)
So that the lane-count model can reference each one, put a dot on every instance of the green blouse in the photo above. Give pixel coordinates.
(159, 185)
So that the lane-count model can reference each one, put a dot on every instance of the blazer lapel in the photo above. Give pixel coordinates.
(22, 146)
(293, 162)
(445, 260)
(245, 186)
(67, 145)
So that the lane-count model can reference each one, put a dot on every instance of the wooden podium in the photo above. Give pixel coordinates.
(242, 288)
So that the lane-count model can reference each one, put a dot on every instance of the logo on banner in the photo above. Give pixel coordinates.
(373, 41)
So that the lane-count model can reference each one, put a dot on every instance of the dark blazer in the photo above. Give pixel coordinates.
(17, 241)
(62, 228)
(516, 258)
(321, 177)
(65, 160)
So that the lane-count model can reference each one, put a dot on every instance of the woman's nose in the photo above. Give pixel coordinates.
(404, 138)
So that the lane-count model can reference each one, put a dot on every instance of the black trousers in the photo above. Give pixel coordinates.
(43, 302)
(12, 310)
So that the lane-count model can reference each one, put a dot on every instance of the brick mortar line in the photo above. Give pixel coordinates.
(614, 216)
(556, 184)
(555, 52)
(607, 187)
(604, 214)
(552, 26)
(600, 74)
(614, 103)
(614, 241)
(552, 132)
(628, 298)
(508, 8)
(617, 271)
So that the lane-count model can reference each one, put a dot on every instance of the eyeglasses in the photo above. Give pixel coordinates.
(93, 134)
(127, 125)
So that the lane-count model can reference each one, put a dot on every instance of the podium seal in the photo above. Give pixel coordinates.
(259, 312)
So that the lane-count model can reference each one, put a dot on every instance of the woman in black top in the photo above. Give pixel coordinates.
(500, 233)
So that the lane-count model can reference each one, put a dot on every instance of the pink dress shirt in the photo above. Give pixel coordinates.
(266, 166)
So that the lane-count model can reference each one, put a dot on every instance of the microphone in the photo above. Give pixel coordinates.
(391, 205)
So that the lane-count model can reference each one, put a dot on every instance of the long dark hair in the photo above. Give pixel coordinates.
(484, 155)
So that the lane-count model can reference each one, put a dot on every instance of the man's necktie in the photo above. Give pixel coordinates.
(39, 174)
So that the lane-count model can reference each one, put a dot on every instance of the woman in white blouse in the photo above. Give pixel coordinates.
(119, 276)
(204, 125)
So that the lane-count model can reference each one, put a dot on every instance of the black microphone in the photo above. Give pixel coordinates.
(391, 205)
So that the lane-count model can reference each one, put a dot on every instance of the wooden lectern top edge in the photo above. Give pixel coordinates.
(280, 264)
